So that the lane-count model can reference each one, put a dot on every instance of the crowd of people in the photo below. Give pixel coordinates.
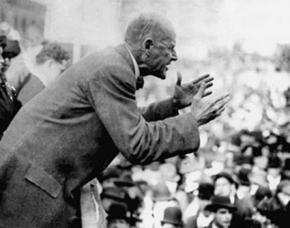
(250, 190)
(248, 186)
(26, 71)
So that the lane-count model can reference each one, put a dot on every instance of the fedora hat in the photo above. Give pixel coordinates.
(172, 215)
(230, 177)
(218, 202)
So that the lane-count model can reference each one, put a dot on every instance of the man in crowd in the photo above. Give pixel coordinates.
(277, 208)
(44, 69)
(199, 217)
(223, 210)
(9, 105)
(73, 129)
(172, 218)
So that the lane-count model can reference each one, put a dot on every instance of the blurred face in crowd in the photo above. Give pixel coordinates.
(5, 65)
(261, 162)
(243, 190)
(222, 187)
(274, 172)
(247, 139)
(223, 218)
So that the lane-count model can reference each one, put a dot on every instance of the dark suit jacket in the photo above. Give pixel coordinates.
(68, 133)
(9, 106)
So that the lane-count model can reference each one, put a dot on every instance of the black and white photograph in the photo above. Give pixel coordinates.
(144, 114)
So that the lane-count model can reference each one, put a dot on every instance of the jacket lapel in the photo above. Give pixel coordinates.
(123, 51)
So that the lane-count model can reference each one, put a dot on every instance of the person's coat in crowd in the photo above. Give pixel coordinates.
(9, 106)
(274, 210)
(72, 130)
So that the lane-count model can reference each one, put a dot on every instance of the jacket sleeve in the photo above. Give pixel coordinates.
(159, 110)
(112, 94)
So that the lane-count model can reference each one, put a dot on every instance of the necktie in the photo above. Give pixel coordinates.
(139, 83)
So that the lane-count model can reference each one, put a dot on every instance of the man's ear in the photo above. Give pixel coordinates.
(147, 43)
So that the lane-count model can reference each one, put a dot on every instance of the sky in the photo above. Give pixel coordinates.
(259, 25)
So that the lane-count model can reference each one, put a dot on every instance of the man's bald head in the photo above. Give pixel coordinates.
(148, 26)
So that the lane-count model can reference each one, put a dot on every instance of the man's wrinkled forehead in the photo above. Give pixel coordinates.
(164, 32)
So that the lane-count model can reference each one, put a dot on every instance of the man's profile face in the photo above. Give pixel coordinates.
(223, 218)
(162, 53)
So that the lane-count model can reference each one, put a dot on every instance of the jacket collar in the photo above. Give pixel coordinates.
(136, 67)
(125, 53)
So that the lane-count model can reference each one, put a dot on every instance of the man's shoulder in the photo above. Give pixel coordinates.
(109, 58)
(105, 66)
(109, 61)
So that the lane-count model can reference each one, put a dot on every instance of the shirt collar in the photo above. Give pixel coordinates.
(136, 68)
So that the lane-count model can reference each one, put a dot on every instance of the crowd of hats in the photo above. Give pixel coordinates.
(127, 195)
(116, 182)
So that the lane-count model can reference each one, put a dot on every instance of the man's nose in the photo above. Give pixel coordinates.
(173, 56)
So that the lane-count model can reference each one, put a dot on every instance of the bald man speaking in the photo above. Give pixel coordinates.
(70, 132)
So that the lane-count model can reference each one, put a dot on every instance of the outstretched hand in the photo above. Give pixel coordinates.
(183, 94)
(205, 111)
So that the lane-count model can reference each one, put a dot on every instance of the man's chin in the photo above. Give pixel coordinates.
(158, 74)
